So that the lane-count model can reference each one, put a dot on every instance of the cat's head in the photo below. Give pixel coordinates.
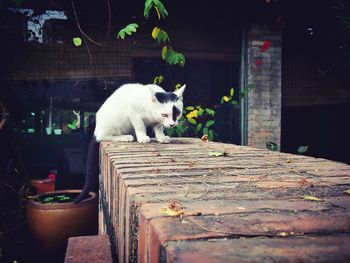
(168, 107)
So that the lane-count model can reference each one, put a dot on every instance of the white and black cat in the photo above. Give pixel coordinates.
(126, 114)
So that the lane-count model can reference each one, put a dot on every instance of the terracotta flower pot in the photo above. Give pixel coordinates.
(43, 185)
(50, 225)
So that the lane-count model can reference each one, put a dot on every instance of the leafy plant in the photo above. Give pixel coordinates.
(173, 57)
(160, 35)
(129, 29)
(56, 199)
(272, 146)
(158, 6)
(196, 121)
(230, 98)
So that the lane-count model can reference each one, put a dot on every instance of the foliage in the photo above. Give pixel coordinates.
(303, 149)
(195, 121)
(173, 57)
(77, 41)
(160, 35)
(158, 7)
(129, 29)
(272, 146)
(158, 80)
(56, 199)
(169, 55)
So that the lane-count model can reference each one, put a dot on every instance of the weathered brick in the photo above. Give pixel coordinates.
(247, 193)
(89, 249)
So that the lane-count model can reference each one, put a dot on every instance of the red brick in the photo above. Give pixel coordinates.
(88, 249)
(261, 249)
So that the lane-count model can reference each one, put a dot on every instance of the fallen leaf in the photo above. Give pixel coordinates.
(305, 184)
(283, 234)
(257, 63)
(289, 161)
(216, 154)
(190, 163)
(312, 198)
(172, 209)
(204, 138)
(347, 191)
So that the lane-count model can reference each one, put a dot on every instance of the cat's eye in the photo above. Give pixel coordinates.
(164, 115)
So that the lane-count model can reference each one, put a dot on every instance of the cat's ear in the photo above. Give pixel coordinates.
(153, 96)
(179, 93)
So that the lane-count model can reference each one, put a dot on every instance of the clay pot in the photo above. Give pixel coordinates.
(50, 225)
(43, 185)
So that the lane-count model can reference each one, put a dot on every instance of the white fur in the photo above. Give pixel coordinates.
(132, 108)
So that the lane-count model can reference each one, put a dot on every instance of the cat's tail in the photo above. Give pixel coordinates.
(92, 170)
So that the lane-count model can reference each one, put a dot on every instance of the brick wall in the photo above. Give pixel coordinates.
(263, 69)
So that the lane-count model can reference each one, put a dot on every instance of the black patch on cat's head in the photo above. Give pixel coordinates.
(165, 97)
(176, 112)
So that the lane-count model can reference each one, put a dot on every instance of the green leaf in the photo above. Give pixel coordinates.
(172, 57)
(272, 146)
(162, 36)
(77, 41)
(170, 132)
(209, 123)
(129, 29)
(148, 6)
(121, 34)
(189, 108)
(303, 149)
(211, 135)
(161, 8)
(210, 111)
(72, 126)
(200, 112)
(205, 130)
(180, 128)
(177, 86)
(192, 121)
(232, 91)
(246, 90)
(198, 127)
(216, 154)
(234, 102)
(158, 80)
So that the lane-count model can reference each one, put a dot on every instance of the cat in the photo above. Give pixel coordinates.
(126, 114)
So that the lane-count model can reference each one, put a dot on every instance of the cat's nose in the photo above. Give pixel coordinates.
(172, 125)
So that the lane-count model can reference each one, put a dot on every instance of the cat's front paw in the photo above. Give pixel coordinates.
(143, 139)
(164, 139)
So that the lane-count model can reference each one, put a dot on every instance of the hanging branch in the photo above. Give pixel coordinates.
(109, 22)
(81, 30)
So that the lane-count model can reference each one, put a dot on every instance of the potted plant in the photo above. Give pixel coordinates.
(52, 218)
